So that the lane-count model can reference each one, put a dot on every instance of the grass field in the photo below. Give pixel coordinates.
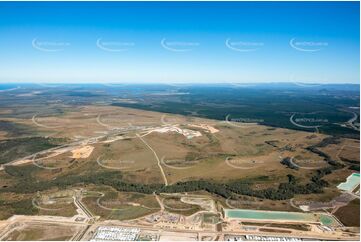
(175, 205)
(251, 153)
(110, 204)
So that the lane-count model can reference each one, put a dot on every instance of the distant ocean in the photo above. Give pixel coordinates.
(7, 86)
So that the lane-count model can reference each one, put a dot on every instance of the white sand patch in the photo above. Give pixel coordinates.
(206, 127)
(83, 152)
(186, 132)
(305, 208)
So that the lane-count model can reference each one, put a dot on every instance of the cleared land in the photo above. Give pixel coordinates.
(41, 231)
(349, 215)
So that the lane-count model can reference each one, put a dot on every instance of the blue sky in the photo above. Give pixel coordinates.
(180, 42)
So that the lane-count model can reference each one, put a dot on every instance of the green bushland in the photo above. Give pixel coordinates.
(354, 167)
(114, 179)
(286, 190)
(14, 129)
(24, 207)
(12, 149)
(21, 171)
(269, 105)
(324, 143)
